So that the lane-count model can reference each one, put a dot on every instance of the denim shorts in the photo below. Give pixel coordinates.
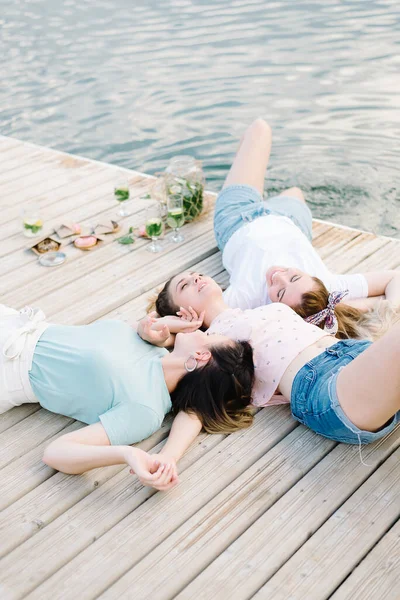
(314, 400)
(237, 205)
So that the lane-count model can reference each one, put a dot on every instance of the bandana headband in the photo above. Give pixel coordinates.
(328, 313)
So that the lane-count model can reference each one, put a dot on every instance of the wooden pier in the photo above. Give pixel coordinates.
(273, 512)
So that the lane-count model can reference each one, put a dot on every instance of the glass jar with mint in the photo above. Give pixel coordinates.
(184, 178)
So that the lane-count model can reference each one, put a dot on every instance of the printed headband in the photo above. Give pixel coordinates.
(328, 313)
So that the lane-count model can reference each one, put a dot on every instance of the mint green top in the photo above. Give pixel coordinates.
(103, 371)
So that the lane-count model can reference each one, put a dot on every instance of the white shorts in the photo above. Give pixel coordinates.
(19, 333)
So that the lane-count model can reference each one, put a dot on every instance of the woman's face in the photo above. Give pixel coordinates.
(287, 285)
(195, 290)
(188, 344)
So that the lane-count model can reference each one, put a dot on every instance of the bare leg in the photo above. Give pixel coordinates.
(251, 160)
(369, 387)
(295, 192)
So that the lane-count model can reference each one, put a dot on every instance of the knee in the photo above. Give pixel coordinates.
(295, 192)
(260, 129)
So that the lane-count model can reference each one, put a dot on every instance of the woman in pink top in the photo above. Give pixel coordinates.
(347, 390)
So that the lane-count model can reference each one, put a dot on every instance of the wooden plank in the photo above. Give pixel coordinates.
(243, 568)
(63, 199)
(387, 257)
(121, 509)
(319, 228)
(333, 240)
(110, 502)
(21, 267)
(120, 282)
(335, 549)
(63, 196)
(183, 555)
(377, 577)
(15, 171)
(74, 157)
(16, 286)
(57, 212)
(26, 472)
(15, 166)
(8, 144)
(347, 228)
(17, 414)
(43, 181)
(51, 493)
(23, 474)
(30, 432)
(354, 252)
(104, 528)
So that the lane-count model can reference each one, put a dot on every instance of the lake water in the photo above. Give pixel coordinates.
(134, 83)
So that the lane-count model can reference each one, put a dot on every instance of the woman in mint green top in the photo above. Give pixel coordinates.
(121, 381)
(105, 372)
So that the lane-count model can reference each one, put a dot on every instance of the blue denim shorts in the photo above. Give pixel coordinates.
(236, 205)
(314, 400)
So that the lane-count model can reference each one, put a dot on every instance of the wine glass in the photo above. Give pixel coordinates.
(175, 217)
(159, 193)
(121, 193)
(154, 226)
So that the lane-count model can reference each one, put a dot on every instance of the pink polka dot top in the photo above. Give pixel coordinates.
(277, 335)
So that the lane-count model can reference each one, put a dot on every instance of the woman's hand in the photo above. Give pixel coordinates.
(151, 469)
(168, 461)
(161, 331)
(179, 324)
(190, 315)
(155, 333)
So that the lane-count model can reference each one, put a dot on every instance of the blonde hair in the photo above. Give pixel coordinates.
(152, 299)
(377, 321)
(352, 322)
(228, 422)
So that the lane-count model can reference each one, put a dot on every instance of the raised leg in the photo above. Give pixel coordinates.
(369, 387)
(251, 160)
(295, 192)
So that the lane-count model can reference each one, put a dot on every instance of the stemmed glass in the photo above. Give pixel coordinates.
(121, 193)
(175, 217)
(154, 226)
(159, 193)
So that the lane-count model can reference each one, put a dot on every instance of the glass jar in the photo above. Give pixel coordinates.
(32, 221)
(184, 178)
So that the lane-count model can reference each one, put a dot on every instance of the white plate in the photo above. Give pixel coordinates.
(52, 259)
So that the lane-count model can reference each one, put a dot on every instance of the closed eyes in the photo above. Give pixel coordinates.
(282, 291)
(185, 284)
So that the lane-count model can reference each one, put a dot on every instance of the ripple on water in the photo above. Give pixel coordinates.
(135, 87)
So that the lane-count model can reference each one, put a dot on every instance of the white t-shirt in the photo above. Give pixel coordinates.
(276, 240)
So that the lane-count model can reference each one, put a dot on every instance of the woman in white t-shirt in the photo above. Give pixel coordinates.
(267, 248)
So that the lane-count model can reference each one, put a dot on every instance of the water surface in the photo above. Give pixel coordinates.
(136, 83)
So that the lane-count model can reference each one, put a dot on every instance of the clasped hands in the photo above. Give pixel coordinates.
(161, 331)
(155, 470)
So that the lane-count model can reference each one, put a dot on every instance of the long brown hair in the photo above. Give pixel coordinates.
(163, 303)
(352, 322)
(219, 393)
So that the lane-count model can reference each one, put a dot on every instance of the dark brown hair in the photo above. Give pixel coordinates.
(219, 393)
(164, 304)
